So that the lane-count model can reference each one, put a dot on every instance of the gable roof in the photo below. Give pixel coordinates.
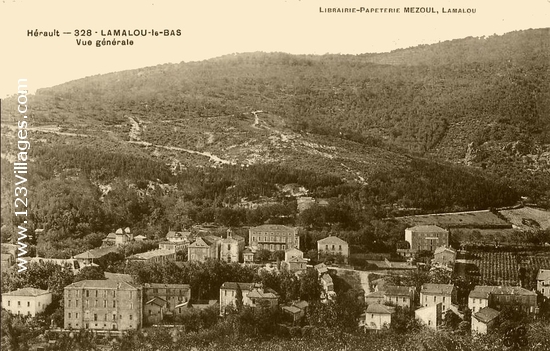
(394, 290)
(201, 242)
(332, 240)
(301, 304)
(102, 284)
(427, 229)
(442, 249)
(119, 277)
(167, 286)
(267, 293)
(96, 253)
(437, 289)
(485, 290)
(27, 292)
(233, 286)
(157, 301)
(150, 254)
(273, 227)
(544, 274)
(291, 309)
(380, 309)
(486, 314)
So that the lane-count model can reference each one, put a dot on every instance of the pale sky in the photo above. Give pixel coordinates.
(214, 28)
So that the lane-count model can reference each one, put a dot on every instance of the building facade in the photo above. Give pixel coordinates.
(483, 320)
(294, 260)
(231, 248)
(433, 294)
(164, 299)
(273, 237)
(102, 305)
(543, 282)
(253, 295)
(402, 296)
(26, 301)
(426, 237)
(497, 297)
(333, 245)
(444, 256)
(377, 317)
(202, 249)
(431, 316)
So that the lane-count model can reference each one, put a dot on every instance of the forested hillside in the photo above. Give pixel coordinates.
(452, 126)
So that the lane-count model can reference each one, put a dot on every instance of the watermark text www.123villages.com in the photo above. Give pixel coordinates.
(20, 172)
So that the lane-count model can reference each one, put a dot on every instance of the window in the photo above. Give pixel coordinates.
(28, 304)
(69, 315)
(104, 303)
(95, 303)
(76, 303)
(443, 298)
(434, 300)
(340, 247)
(131, 305)
(96, 292)
(18, 303)
(87, 293)
(114, 304)
(76, 315)
(10, 301)
(150, 312)
(114, 316)
(130, 317)
(105, 317)
(95, 317)
(87, 303)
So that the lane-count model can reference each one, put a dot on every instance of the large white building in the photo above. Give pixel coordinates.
(273, 237)
(543, 282)
(26, 301)
(426, 237)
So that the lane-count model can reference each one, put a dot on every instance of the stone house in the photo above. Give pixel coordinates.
(156, 256)
(273, 237)
(426, 238)
(377, 317)
(497, 297)
(431, 315)
(253, 295)
(102, 305)
(26, 301)
(444, 256)
(543, 282)
(433, 294)
(483, 320)
(333, 245)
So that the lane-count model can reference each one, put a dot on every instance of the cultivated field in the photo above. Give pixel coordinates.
(527, 217)
(502, 268)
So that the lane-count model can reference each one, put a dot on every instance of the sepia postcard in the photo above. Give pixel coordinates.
(275, 175)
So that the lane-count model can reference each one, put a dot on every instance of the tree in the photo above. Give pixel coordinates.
(310, 286)
(90, 273)
(239, 298)
(262, 255)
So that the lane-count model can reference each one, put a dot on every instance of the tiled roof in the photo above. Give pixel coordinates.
(380, 309)
(292, 309)
(96, 253)
(102, 284)
(392, 290)
(544, 274)
(436, 289)
(332, 240)
(167, 286)
(427, 229)
(301, 304)
(119, 277)
(500, 290)
(26, 292)
(321, 268)
(157, 301)
(486, 314)
(233, 286)
(262, 294)
(443, 249)
(273, 227)
(150, 254)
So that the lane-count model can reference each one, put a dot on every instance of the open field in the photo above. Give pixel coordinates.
(471, 219)
(527, 217)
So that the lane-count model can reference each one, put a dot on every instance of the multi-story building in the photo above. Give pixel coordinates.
(253, 295)
(273, 237)
(497, 297)
(203, 248)
(96, 255)
(173, 246)
(432, 294)
(179, 237)
(377, 317)
(102, 305)
(402, 296)
(294, 260)
(156, 256)
(164, 299)
(431, 316)
(543, 282)
(26, 301)
(231, 247)
(444, 256)
(483, 320)
(426, 237)
(333, 245)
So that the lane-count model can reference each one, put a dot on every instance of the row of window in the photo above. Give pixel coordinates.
(168, 291)
(276, 239)
(435, 297)
(333, 247)
(19, 303)
(87, 303)
(96, 293)
(105, 317)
